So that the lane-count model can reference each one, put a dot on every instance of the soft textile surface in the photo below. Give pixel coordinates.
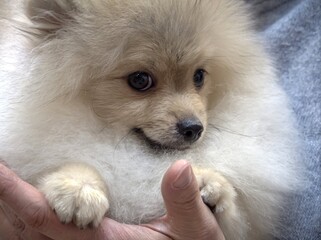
(292, 32)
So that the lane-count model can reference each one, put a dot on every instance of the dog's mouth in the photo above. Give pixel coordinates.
(155, 145)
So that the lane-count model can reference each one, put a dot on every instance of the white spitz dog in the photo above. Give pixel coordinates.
(99, 97)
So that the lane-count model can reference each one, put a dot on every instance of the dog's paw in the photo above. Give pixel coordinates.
(76, 193)
(217, 193)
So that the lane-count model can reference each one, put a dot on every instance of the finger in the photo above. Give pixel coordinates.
(13, 226)
(23, 199)
(6, 229)
(187, 216)
(32, 208)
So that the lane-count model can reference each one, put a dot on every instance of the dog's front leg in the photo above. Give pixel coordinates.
(76, 192)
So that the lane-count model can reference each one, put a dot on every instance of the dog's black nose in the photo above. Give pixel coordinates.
(190, 128)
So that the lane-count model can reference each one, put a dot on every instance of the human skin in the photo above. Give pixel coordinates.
(25, 213)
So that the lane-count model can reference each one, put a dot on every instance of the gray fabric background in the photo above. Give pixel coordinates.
(292, 32)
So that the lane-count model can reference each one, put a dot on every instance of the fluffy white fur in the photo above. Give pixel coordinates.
(57, 116)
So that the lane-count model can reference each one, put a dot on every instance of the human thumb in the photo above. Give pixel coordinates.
(186, 212)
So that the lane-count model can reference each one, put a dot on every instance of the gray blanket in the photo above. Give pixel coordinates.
(292, 32)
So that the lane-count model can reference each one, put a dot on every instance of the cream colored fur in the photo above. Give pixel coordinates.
(67, 112)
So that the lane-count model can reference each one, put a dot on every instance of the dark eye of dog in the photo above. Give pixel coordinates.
(140, 81)
(199, 78)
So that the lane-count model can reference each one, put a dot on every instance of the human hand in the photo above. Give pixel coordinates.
(26, 214)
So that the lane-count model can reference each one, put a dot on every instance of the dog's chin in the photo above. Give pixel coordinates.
(155, 145)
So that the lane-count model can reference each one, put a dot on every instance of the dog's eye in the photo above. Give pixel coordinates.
(199, 78)
(140, 81)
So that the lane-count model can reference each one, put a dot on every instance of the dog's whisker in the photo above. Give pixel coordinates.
(224, 129)
(120, 141)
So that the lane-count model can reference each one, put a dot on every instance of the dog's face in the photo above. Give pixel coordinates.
(158, 92)
(150, 67)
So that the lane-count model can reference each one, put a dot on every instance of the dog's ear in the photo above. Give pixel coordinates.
(48, 16)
